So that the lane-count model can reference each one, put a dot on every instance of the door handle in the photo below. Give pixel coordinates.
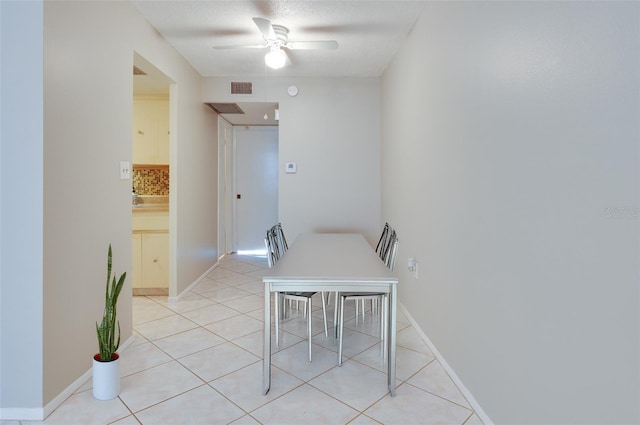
(238, 196)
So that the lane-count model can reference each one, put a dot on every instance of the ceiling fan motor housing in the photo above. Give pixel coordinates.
(282, 36)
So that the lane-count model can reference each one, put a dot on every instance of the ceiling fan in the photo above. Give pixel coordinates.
(277, 40)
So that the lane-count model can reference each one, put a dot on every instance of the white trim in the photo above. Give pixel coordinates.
(24, 414)
(197, 281)
(71, 389)
(454, 377)
(125, 344)
(66, 393)
(39, 413)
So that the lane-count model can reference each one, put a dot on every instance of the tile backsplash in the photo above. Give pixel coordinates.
(151, 180)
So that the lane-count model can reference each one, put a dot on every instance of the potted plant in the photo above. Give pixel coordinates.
(106, 363)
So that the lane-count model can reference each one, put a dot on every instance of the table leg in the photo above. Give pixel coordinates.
(266, 361)
(391, 339)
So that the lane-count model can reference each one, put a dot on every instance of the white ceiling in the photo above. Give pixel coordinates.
(153, 83)
(369, 33)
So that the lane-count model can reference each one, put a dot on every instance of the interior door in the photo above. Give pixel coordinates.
(256, 203)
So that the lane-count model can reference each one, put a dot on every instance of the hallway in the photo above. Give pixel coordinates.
(199, 361)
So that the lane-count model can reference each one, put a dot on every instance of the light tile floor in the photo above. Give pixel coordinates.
(199, 361)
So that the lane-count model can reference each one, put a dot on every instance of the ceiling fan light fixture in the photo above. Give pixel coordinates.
(275, 58)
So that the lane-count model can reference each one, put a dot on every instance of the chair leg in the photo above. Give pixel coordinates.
(324, 316)
(328, 300)
(384, 324)
(384, 314)
(309, 325)
(340, 331)
(335, 315)
(276, 296)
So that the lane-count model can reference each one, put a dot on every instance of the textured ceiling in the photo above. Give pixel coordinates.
(369, 33)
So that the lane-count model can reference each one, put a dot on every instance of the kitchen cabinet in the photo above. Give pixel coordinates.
(150, 246)
(150, 137)
(155, 260)
(150, 267)
(163, 133)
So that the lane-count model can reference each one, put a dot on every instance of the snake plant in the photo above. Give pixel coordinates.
(106, 330)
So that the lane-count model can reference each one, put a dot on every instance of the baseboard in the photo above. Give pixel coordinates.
(127, 343)
(150, 292)
(40, 413)
(17, 414)
(465, 392)
(194, 284)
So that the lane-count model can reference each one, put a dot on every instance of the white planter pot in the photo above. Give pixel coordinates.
(106, 378)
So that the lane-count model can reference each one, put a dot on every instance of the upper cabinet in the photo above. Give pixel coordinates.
(150, 131)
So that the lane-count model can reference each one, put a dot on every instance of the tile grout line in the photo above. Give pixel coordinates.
(226, 270)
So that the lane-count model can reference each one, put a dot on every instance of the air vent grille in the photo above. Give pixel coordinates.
(226, 108)
(241, 87)
(138, 71)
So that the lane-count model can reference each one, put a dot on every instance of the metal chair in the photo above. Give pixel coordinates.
(276, 245)
(387, 248)
(383, 250)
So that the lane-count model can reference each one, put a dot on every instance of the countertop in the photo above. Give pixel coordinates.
(151, 203)
(150, 207)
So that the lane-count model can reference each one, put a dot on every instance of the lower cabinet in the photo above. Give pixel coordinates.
(150, 260)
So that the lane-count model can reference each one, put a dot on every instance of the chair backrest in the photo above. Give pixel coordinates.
(271, 256)
(276, 244)
(387, 246)
(393, 248)
(283, 241)
(383, 242)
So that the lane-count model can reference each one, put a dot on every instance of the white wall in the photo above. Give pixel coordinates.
(21, 208)
(194, 180)
(88, 93)
(87, 124)
(331, 130)
(57, 264)
(510, 147)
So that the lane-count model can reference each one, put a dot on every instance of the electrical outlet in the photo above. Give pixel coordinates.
(412, 265)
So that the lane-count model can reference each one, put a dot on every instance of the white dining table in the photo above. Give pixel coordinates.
(343, 262)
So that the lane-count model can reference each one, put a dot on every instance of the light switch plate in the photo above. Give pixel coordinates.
(125, 170)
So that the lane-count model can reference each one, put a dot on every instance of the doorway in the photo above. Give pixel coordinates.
(256, 185)
(150, 180)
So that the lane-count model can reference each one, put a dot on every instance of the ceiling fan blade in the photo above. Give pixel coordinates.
(241, 46)
(313, 45)
(288, 61)
(264, 25)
